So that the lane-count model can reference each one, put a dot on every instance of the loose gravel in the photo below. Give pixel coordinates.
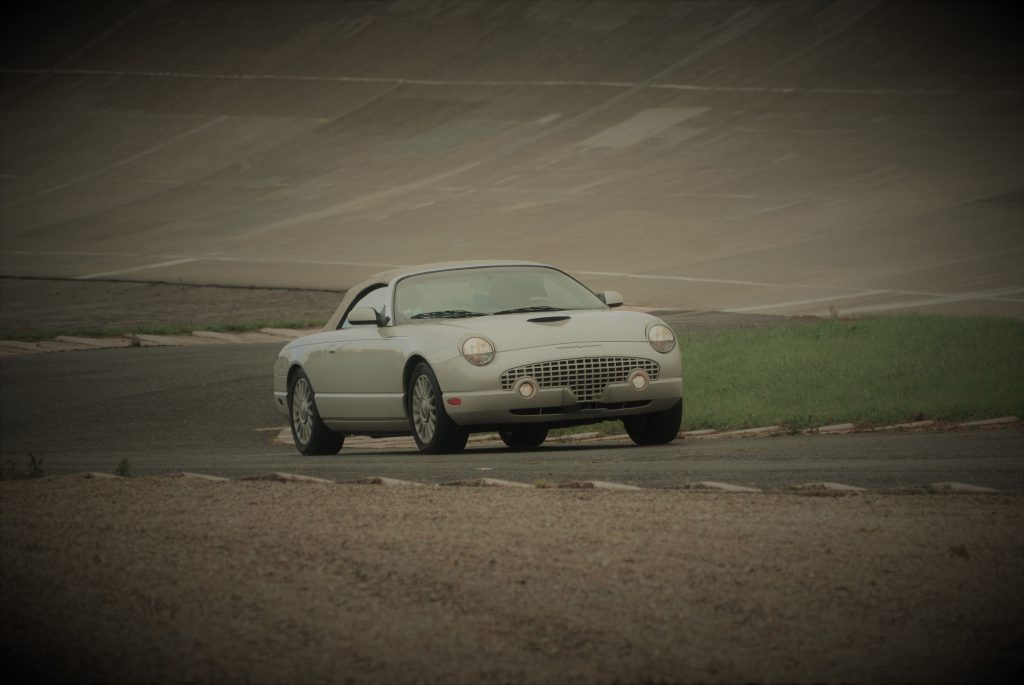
(172, 580)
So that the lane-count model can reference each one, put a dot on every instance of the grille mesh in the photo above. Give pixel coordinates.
(585, 376)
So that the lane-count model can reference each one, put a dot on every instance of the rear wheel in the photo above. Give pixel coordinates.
(658, 428)
(524, 437)
(432, 429)
(308, 430)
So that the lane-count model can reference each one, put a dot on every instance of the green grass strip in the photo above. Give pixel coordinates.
(870, 372)
(867, 371)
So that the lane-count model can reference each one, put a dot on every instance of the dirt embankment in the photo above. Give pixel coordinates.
(60, 306)
(173, 580)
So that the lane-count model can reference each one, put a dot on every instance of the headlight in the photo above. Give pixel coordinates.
(661, 338)
(478, 351)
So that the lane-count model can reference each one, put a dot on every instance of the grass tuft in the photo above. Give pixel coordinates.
(34, 469)
(124, 468)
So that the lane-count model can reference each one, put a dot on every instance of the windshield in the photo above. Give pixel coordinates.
(489, 290)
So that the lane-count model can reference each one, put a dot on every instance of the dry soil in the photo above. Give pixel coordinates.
(172, 580)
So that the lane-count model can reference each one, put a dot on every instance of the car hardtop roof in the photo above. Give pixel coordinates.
(402, 272)
(388, 277)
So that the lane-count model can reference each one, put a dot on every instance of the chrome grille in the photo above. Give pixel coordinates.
(585, 376)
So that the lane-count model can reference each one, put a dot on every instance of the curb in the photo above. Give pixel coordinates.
(196, 476)
(844, 428)
(715, 486)
(288, 478)
(487, 483)
(1004, 420)
(823, 488)
(380, 480)
(762, 431)
(72, 343)
(827, 488)
(595, 485)
(94, 343)
(959, 488)
(284, 436)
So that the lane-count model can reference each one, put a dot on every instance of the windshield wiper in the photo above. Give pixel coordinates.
(446, 314)
(537, 308)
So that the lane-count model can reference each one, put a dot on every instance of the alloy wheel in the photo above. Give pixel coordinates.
(424, 412)
(302, 410)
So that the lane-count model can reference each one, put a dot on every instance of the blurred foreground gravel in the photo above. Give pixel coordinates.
(177, 580)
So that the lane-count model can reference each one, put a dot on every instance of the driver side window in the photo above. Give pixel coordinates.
(376, 298)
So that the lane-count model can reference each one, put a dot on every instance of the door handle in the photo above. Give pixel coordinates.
(331, 350)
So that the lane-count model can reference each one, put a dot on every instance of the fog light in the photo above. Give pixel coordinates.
(639, 380)
(527, 389)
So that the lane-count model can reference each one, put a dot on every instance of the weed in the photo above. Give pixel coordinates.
(124, 468)
(34, 469)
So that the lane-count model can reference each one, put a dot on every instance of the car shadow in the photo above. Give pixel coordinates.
(473, 451)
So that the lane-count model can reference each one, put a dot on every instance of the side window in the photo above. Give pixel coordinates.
(376, 298)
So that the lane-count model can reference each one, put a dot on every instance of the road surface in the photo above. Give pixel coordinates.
(206, 409)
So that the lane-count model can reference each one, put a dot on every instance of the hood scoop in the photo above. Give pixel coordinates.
(549, 319)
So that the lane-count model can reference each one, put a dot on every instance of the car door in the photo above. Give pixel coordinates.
(360, 372)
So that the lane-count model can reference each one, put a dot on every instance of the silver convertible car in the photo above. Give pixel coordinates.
(443, 350)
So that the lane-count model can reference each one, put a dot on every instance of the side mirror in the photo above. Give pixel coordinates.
(611, 298)
(364, 316)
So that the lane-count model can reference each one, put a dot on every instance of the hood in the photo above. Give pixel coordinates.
(536, 329)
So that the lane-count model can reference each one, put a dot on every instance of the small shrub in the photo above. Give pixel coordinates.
(34, 469)
(124, 468)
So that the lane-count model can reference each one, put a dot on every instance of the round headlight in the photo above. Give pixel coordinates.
(478, 351)
(661, 338)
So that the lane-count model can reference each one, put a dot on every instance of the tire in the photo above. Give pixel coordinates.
(433, 430)
(524, 437)
(659, 428)
(308, 430)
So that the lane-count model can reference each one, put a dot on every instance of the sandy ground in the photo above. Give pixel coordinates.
(174, 580)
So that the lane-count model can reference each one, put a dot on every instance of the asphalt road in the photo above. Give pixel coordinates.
(201, 409)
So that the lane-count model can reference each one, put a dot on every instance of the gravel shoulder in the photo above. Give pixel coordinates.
(177, 580)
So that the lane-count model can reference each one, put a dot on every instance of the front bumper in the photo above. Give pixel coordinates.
(554, 405)
(481, 401)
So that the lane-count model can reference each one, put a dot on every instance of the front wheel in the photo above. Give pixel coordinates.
(659, 428)
(310, 433)
(433, 430)
(524, 437)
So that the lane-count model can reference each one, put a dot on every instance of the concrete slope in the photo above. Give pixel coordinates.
(773, 157)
